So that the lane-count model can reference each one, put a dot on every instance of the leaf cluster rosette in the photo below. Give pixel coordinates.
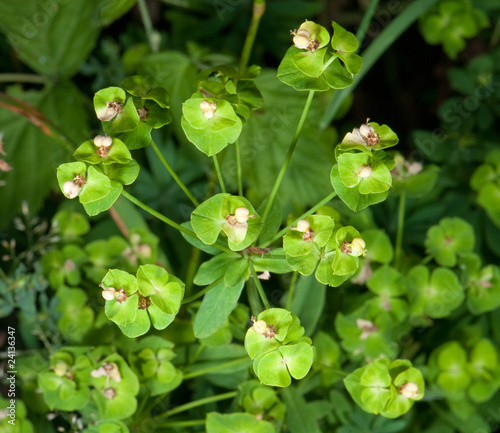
(62, 266)
(367, 332)
(282, 352)
(132, 117)
(263, 402)
(486, 181)
(99, 183)
(216, 214)
(153, 296)
(464, 377)
(238, 88)
(318, 64)
(386, 388)
(450, 239)
(434, 294)
(66, 385)
(323, 250)
(362, 175)
(450, 23)
(151, 360)
(114, 394)
(483, 284)
(210, 131)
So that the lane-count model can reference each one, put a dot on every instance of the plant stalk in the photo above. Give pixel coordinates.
(148, 25)
(219, 174)
(174, 174)
(238, 168)
(399, 235)
(203, 291)
(259, 7)
(22, 78)
(258, 284)
(305, 214)
(288, 156)
(167, 220)
(291, 291)
(176, 424)
(196, 403)
(215, 368)
(365, 22)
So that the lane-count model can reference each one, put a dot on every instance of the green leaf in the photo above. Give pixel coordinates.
(352, 196)
(452, 237)
(236, 423)
(97, 186)
(123, 173)
(299, 418)
(298, 359)
(308, 302)
(272, 370)
(289, 74)
(54, 39)
(376, 374)
(236, 273)
(103, 203)
(210, 136)
(387, 281)
(139, 326)
(215, 309)
(214, 268)
(310, 63)
(436, 296)
(342, 40)
(164, 290)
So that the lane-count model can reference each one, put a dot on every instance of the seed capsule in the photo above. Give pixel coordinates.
(242, 214)
(208, 108)
(365, 171)
(409, 390)
(103, 140)
(303, 226)
(109, 293)
(71, 189)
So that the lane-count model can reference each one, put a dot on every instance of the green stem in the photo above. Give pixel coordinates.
(291, 290)
(260, 289)
(219, 174)
(399, 235)
(378, 47)
(196, 403)
(176, 424)
(167, 220)
(203, 291)
(305, 214)
(288, 156)
(194, 260)
(253, 299)
(22, 78)
(365, 22)
(259, 7)
(238, 168)
(215, 368)
(173, 174)
(148, 25)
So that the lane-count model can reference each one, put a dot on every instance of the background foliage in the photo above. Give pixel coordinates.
(428, 290)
